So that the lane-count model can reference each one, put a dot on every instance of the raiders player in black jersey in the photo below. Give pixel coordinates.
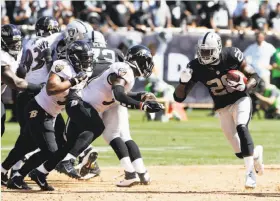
(231, 99)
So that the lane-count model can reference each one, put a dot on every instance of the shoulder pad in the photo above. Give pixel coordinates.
(123, 70)
(62, 68)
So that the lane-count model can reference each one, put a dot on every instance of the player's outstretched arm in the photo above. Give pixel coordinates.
(14, 82)
(126, 101)
(185, 85)
(250, 73)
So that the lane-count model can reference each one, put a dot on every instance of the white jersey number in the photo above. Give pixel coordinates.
(108, 55)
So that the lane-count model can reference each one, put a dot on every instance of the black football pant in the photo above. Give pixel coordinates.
(25, 143)
(3, 118)
(84, 126)
(40, 125)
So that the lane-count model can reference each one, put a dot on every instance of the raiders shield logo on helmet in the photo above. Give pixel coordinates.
(71, 32)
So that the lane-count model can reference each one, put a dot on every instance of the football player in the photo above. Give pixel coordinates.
(112, 93)
(231, 100)
(88, 167)
(10, 56)
(37, 60)
(42, 111)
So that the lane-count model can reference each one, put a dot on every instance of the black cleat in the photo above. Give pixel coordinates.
(67, 167)
(12, 172)
(40, 179)
(4, 179)
(145, 178)
(17, 182)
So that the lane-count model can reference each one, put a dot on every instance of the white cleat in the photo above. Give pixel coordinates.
(130, 179)
(250, 181)
(258, 160)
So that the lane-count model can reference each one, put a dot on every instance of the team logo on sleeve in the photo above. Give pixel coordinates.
(58, 68)
(122, 72)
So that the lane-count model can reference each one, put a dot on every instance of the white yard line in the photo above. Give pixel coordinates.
(108, 148)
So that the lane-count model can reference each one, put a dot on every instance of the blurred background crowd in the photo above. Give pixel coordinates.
(170, 29)
(147, 15)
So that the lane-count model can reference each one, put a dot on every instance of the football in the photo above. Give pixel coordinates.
(236, 75)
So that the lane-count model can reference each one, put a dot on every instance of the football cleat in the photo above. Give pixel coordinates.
(17, 182)
(92, 171)
(67, 167)
(258, 160)
(4, 179)
(145, 178)
(87, 166)
(130, 179)
(12, 172)
(250, 181)
(40, 179)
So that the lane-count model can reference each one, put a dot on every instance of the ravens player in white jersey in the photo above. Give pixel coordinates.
(231, 100)
(88, 167)
(37, 60)
(11, 41)
(41, 112)
(112, 89)
(10, 57)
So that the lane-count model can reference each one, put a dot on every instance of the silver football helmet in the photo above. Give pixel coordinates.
(77, 30)
(209, 48)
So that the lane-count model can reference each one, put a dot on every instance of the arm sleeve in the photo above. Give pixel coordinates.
(136, 95)
(124, 100)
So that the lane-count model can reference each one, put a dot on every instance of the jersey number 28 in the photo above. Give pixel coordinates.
(219, 86)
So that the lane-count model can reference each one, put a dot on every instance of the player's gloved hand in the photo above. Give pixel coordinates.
(81, 76)
(151, 106)
(46, 51)
(238, 86)
(186, 75)
(148, 96)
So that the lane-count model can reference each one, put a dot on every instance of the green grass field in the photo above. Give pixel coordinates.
(198, 141)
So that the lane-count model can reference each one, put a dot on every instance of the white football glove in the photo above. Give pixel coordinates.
(186, 75)
(238, 86)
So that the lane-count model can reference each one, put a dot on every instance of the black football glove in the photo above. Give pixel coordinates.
(78, 78)
(46, 51)
(151, 106)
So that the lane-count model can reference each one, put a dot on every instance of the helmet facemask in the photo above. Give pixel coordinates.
(208, 55)
(83, 62)
(13, 46)
(144, 66)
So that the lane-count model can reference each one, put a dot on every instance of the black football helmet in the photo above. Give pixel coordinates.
(140, 57)
(11, 39)
(80, 55)
(46, 26)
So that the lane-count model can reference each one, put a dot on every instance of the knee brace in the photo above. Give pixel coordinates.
(246, 142)
(239, 155)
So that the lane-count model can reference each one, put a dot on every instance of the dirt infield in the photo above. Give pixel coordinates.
(171, 183)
